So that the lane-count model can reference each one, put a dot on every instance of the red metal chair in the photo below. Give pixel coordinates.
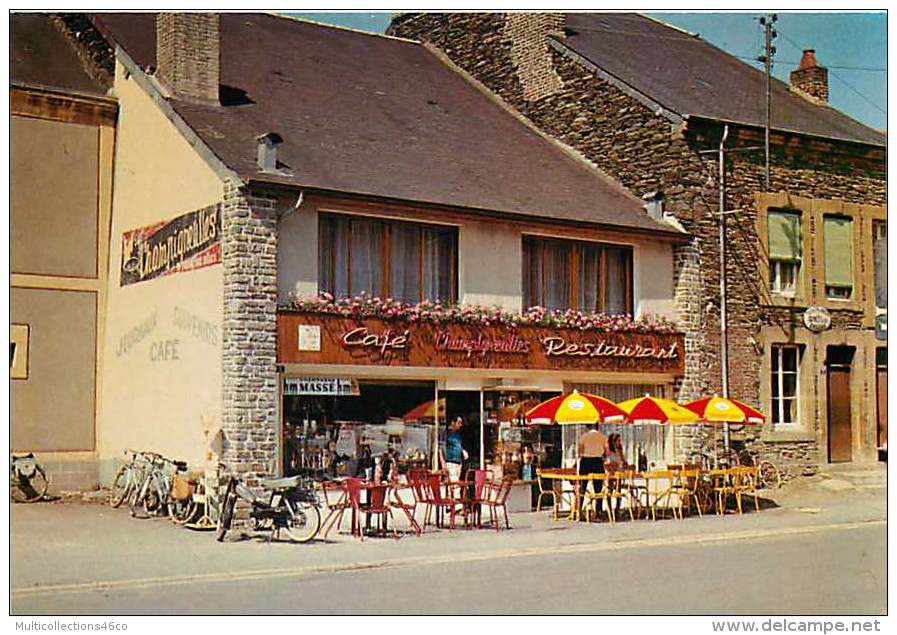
(420, 489)
(442, 501)
(410, 509)
(496, 496)
(353, 496)
(336, 498)
(477, 491)
(378, 505)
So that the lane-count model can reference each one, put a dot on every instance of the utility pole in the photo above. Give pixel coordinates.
(770, 34)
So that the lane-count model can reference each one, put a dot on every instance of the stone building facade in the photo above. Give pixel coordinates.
(650, 148)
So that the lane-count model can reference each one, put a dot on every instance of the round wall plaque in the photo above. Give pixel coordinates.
(817, 319)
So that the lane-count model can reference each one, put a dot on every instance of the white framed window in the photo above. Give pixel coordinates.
(785, 244)
(783, 277)
(785, 385)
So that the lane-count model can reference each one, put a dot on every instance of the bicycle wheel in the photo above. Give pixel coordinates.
(183, 511)
(121, 486)
(770, 477)
(226, 516)
(29, 489)
(152, 500)
(305, 521)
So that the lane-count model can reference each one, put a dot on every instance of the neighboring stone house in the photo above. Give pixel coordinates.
(652, 105)
(62, 136)
(260, 159)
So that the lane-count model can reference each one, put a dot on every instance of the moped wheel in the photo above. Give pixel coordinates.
(29, 489)
(305, 521)
(226, 515)
(121, 486)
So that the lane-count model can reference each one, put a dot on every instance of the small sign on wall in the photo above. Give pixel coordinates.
(19, 336)
(332, 386)
(309, 337)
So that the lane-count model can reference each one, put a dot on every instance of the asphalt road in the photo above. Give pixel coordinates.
(830, 570)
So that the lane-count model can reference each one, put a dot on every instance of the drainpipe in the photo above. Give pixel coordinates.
(724, 356)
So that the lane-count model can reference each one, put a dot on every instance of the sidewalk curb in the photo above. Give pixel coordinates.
(233, 576)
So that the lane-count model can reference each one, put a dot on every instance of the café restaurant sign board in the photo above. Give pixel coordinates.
(379, 343)
(190, 241)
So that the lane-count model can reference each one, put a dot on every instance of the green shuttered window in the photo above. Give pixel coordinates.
(838, 237)
(785, 251)
(784, 235)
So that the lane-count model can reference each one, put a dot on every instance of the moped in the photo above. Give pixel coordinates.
(291, 504)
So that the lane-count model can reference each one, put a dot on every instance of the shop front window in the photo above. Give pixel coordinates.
(345, 434)
(652, 441)
(784, 384)
(409, 262)
(567, 274)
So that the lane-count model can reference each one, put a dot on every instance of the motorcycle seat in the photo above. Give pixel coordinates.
(280, 483)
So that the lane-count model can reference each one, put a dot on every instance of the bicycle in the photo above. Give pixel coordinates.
(28, 482)
(128, 477)
(769, 474)
(154, 494)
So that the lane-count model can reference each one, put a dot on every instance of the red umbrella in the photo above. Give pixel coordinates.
(576, 407)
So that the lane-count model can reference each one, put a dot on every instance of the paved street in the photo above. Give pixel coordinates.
(810, 551)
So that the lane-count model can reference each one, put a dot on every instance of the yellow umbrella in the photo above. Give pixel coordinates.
(576, 408)
(652, 410)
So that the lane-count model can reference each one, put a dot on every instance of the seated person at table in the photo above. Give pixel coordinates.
(613, 456)
(364, 463)
(591, 448)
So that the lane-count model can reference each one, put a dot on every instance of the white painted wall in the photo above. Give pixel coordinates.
(149, 402)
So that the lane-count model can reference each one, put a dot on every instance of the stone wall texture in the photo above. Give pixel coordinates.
(647, 152)
(249, 335)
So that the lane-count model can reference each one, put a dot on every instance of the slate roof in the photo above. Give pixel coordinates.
(373, 115)
(690, 76)
(39, 54)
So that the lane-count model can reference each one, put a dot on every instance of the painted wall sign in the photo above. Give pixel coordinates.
(335, 386)
(376, 342)
(190, 241)
(19, 344)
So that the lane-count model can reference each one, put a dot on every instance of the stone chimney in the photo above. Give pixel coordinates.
(188, 55)
(530, 53)
(810, 77)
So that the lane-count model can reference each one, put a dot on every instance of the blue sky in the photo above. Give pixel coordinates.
(853, 46)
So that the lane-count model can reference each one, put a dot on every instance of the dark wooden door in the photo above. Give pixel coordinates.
(881, 388)
(839, 427)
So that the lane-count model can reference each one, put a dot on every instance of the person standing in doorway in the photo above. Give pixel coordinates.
(591, 448)
(455, 454)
